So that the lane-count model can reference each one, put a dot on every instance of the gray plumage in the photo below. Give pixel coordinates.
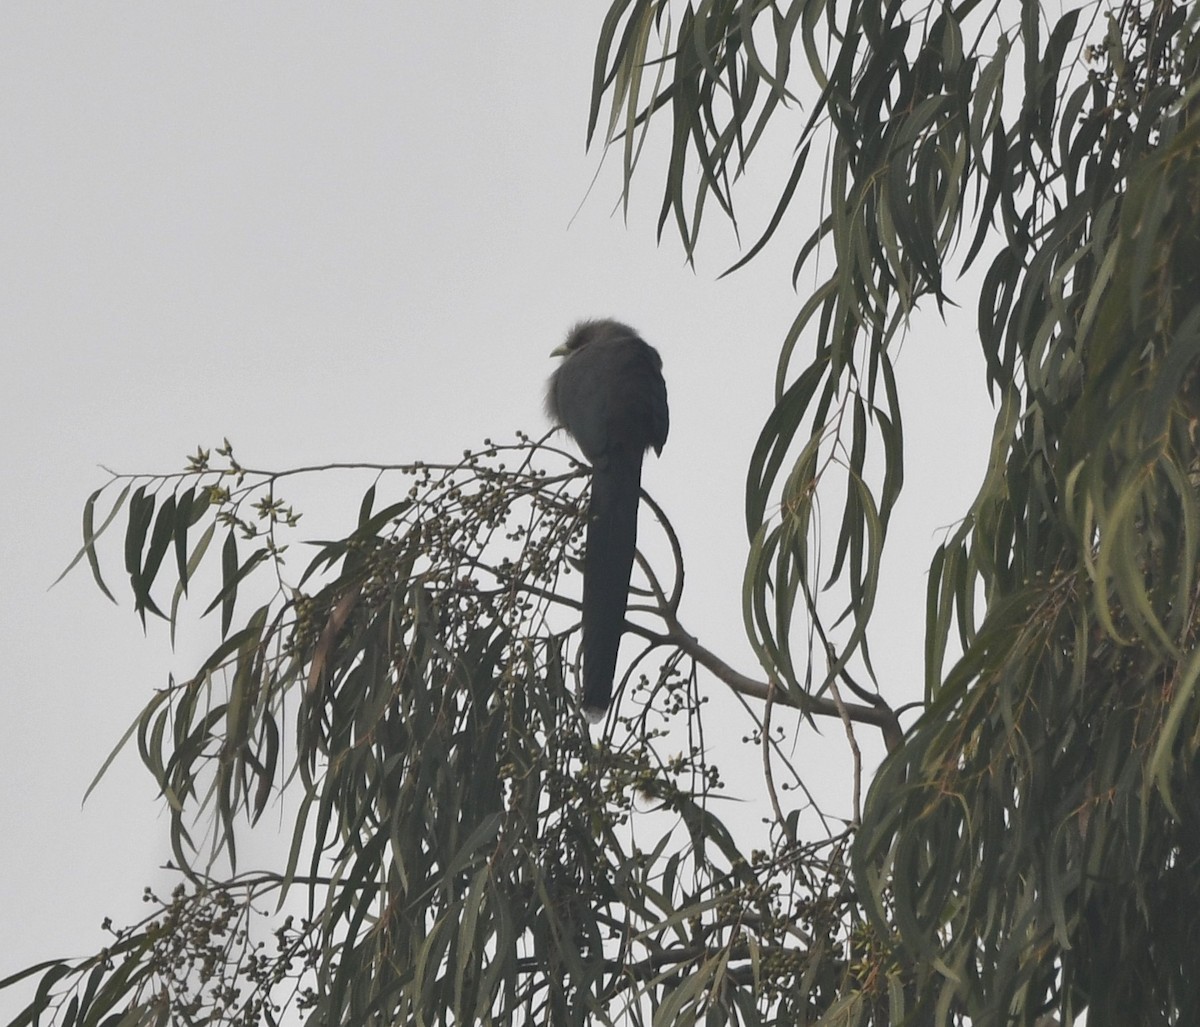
(610, 395)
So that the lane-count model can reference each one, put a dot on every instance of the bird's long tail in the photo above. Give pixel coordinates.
(608, 563)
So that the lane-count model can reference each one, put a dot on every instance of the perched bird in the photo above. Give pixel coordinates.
(610, 395)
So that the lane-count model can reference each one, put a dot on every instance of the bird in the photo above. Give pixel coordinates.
(610, 396)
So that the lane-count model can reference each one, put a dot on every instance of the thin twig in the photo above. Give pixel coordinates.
(881, 717)
(768, 775)
(854, 750)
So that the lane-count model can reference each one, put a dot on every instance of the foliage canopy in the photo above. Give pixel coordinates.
(462, 850)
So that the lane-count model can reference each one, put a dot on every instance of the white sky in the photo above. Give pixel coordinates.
(343, 232)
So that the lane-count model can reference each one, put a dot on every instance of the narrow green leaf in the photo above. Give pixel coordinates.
(89, 538)
(57, 969)
(183, 521)
(1163, 763)
(229, 580)
(229, 646)
(190, 569)
(158, 699)
(231, 576)
(141, 513)
(160, 540)
(600, 74)
(369, 527)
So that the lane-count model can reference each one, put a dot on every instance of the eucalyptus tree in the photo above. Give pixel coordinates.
(463, 850)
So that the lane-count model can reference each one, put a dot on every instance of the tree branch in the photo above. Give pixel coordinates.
(882, 717)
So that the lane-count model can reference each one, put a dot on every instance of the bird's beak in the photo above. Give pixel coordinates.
(561, 351)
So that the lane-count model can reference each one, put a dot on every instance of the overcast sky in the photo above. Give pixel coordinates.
(335, 233)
